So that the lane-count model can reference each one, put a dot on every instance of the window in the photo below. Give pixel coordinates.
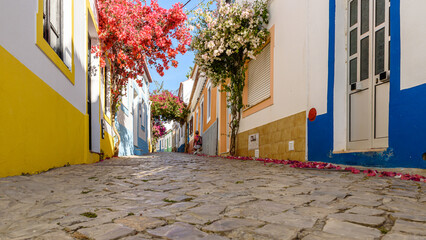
(197, 120)
(52, 25)
(201, 117)
(191, 126)
(54, 34)
(142, 116)
(258, 90)
(178, 136)
(181, 130)
(209, 102)
(259, 77)
(135, 100)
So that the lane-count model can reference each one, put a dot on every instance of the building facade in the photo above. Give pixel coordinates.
(273, 122)
(371, 103)
(134, 118)
(55, 120)
(62, 115)
(203, 115)
(338, 81)
(164, 143)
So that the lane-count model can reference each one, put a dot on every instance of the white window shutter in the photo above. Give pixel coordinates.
(259, 77)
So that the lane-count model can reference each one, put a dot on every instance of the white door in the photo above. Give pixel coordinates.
(368, 74)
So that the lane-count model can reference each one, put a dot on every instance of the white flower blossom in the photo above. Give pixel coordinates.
(211, 45)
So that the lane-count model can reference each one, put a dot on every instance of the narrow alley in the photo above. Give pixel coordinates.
(182, 196)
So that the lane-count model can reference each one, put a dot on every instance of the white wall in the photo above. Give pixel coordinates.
(340, 77)
(413, 43)
(187, 88)
(290, 62)
(317, 55)
(18, 36)
(95, 98)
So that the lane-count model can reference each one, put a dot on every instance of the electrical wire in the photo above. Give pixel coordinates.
(187, 3)
(196, 6)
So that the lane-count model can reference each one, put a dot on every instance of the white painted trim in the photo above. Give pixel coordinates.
(209, 101)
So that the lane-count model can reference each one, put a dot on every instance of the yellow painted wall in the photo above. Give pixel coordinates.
(39, 128)
(107, 145)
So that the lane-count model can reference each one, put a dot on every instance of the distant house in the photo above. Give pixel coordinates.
(184, 93)
(164, 143)
(203, 117)
(134, 118)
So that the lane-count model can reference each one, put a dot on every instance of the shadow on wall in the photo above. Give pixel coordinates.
(126, 144)
(181, 148)
(142, 147)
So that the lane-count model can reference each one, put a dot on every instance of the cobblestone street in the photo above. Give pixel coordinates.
(180, 196)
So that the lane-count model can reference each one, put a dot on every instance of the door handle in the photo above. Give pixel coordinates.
(383, 77)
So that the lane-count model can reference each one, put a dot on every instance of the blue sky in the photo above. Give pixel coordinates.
(174, 76)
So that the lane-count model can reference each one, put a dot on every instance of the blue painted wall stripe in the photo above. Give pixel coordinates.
(407, 113)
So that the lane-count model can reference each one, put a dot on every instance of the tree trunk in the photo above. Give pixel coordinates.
(236, 99)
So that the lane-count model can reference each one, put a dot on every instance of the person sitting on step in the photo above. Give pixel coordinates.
(198, 142)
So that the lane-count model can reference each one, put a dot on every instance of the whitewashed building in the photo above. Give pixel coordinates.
(339, 81)
(50, 85)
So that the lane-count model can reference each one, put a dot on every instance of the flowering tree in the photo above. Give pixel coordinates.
(165, 106)
(225, 40)
(158, 130)
(131, 34)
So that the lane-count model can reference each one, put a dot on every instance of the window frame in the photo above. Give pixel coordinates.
(45, 47)
(202, 115)
(191, 126)
(197, 120)
(209, 102)
(248, 110)
(47, 26)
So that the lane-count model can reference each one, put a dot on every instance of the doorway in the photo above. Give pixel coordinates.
(368, 74)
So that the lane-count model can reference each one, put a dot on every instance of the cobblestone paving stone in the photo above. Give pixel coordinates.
(181, 196)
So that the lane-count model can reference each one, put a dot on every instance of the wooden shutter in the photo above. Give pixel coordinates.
(259, 77)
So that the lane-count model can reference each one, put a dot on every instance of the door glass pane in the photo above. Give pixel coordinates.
(45, 36)
(364, 61)
(380, 51)
(353, 42)
(354, 12)
(365, 16)
(55, 14)
(54, 41)
(380, 12)
(353, 71)
(44, 9)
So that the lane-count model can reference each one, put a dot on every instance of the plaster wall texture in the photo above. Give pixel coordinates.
(19, 39)
(340, 77)
(413, 44)
(290, 60)
(317, 55)
(187, 87)
(210, 140)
